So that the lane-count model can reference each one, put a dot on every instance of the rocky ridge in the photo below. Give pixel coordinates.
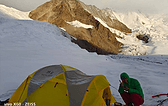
(107, 16)
(96, 38)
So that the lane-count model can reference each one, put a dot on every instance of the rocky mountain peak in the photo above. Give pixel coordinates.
(72, 14)
(107, 16)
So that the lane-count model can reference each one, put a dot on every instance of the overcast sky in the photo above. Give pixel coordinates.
(145, 6)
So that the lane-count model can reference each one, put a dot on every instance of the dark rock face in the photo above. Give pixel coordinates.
(98, 38)
(90, 47)
(144, 38)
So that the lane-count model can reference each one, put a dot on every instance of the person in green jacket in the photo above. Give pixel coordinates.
(130, 90)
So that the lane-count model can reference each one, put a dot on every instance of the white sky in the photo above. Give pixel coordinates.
(145, 6)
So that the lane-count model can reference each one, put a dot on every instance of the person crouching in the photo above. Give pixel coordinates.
(130, 91)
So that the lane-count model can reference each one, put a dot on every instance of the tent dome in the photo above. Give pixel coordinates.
(61, 85)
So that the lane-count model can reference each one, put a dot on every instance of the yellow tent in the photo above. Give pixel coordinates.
(60, 85)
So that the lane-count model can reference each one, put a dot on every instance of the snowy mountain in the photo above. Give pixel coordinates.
(28, 45)
(153, 26)
(13, 13)
(139, 34)
(107, 16)
(64, 12)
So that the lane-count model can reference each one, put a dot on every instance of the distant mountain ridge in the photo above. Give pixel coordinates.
(13, 13)
(99, 38)
(107, 16)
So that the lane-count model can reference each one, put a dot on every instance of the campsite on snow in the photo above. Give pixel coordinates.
(27, 46)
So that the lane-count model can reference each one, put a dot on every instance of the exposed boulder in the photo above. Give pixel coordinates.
(144, 38)
(62, 12)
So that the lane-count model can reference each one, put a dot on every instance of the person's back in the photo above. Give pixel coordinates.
(136, 87)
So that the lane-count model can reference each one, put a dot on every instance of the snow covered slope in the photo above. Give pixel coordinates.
(13, 13)
(27, 45)
(153, 26)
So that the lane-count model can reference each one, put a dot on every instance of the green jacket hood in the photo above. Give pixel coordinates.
(124, 74)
